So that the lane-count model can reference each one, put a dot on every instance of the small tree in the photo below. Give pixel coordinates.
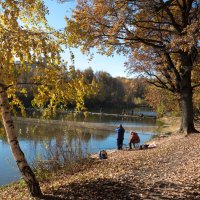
(160, 36)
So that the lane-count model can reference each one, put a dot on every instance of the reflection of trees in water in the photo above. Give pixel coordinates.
(59, 153)
(39, 132)
(59, 144)
(72, 146)
(101, 135)
(78, 138)
(86, 134)
(110, 118)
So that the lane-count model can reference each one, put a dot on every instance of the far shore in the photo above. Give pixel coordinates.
(76, 124)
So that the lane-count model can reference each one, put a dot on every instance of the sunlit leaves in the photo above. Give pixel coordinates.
(30, 59)
(60, 88)
(144, 30)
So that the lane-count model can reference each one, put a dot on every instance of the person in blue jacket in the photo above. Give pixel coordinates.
(120, 137)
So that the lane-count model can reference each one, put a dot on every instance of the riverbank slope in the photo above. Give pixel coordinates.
(169, 171)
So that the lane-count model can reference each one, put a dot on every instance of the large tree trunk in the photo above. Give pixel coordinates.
(187, 116)
(23, 166)
(186, 103)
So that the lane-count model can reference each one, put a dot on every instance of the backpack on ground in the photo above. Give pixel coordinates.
(103, 155)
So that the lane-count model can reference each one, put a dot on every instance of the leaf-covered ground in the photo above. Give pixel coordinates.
(169, 171)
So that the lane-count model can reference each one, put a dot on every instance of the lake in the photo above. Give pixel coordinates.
(37, 137)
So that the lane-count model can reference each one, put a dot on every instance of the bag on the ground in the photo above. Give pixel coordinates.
(103, 155)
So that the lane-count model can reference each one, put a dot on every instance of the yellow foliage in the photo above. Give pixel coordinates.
(30, 59)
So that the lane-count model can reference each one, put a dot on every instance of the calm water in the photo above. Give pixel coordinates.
(35, 138)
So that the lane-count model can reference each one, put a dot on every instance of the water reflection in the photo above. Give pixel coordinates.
(47, 141)
(113, 116)
(114, 120)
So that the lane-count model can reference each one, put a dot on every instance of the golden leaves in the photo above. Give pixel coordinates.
(30, 58)
(59, 87)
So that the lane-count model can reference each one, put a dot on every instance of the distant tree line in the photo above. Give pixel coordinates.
(115, 91)
(121, 92)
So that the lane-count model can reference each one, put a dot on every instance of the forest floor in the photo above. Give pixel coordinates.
(169, 171)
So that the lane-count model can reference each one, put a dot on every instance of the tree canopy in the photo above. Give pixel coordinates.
(160, 37)
(30, 55)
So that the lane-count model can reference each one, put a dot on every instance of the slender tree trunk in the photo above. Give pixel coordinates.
(22, 164)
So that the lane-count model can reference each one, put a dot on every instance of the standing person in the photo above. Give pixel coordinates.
(120, 137)
(134, 139)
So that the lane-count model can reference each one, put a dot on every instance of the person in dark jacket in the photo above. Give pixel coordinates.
(120, 137)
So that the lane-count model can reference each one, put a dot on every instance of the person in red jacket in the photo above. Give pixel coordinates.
(134, 139)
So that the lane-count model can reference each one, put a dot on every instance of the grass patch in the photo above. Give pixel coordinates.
(160, 123)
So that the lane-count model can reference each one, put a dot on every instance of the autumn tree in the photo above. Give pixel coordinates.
(30, 48)
(160, 37)
(110, 90)
(116, 91)
(104, 80)
(134, 90)
(162, 101)
(88, 75)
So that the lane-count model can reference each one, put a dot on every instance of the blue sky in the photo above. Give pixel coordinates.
(113, 65)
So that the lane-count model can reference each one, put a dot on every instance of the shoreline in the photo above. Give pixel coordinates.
(169, 171)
